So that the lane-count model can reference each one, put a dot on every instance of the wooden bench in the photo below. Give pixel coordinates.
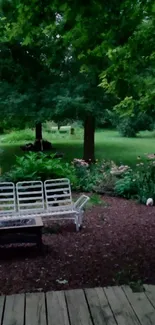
(49, 200)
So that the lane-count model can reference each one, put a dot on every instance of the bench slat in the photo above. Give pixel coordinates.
(58, 196)
(30, 204)
(6, 205)
(30, 198)
(56, 184)
(57, 190)
(59, 202)
(7, 194)
(28, 186)
(6, 200)
(29, 193)
(6, 187)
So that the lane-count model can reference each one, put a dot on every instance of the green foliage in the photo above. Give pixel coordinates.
(130, 126)
(109, 146)
(51, 66)
(26, 135)
(106, 184)
(130, 75)
(126, 128)
(34, 166)
(138, 183)
(95, 199)
(145, 180)
(126, 186)
(86, 176)
(137, 286)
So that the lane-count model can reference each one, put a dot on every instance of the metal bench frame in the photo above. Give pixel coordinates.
(51, 199)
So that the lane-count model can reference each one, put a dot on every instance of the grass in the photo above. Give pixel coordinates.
(109, 145)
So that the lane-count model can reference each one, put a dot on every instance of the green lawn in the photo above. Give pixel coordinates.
(109, 146)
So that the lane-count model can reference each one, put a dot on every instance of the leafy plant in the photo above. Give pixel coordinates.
(138, 183)
(95, 199)
(86, 175)
(105, 180)
(137, 286)
(126, 186)
(145, 180)
(34, 166)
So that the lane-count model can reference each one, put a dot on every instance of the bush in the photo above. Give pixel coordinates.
(35, 166)
(138, 183)
(26, 135)
(86, 175)
(126, 187)
(105, 177)
(145, 180)
(127, 128)
(99, 177)
(130, 126)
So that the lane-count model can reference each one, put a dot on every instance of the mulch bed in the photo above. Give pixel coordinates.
(116, 245)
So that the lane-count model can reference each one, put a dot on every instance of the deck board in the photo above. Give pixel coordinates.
(120, 306)
(2, 301)
(14, 310)
(35, 313)
(78, 308)
(56, 308)
(141, 305)
(150, 293)
(99, 307)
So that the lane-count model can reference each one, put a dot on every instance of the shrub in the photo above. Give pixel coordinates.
(130, 126)
(127, 128)
(106, 184)
(108, 174)
(86, 175)
(138, 183)
(34, 166)
(126, 187)
(145, 180)
(18, 136)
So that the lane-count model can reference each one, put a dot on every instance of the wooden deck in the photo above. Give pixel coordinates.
(99, 306)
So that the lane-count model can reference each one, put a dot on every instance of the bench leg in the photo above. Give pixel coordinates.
(80, 219)
(77, 222)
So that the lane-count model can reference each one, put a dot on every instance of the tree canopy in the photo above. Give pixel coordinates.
(74, 60)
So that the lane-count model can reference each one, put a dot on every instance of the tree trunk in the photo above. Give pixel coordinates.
(38, 131)
(89, 139)
(38, 141)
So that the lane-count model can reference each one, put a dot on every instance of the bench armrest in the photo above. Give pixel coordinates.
(79, 204)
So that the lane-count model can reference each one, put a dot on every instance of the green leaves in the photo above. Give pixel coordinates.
(35, 166)
(130, 75)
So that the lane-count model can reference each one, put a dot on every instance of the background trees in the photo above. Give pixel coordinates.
(76, 60)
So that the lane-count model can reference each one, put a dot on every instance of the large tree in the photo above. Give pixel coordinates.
(26, 70)
(81, 37)
(96, 30)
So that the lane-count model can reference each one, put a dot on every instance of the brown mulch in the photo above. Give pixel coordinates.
(116, 245)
